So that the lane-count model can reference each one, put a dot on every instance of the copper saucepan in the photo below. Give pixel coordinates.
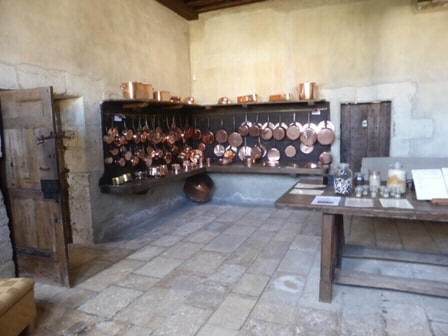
(325, 132)
(208, 137)
(221, 134)
(219, 150)
(279, 131)
(235, 139)
(244, 127)
(309, 133)
(294, 129)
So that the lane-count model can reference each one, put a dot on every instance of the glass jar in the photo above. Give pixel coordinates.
(343, 180)
(375, 178)
(359, 179)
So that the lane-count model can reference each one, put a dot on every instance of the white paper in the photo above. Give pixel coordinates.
(429, 184)
(306, 192)
(326, 200)
(309, 186)
(359, 202)
(401, 203)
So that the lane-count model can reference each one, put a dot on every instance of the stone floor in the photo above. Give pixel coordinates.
(215, 270)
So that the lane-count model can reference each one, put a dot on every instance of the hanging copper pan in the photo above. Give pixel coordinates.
(202, 146)
(221, 135)
(273, 155)
(244, 152)
(108, 139)
(109, 160)
(290, 151)
(294, 129)
(128, 156)
(219, 150)
(255, 129)
(208, 137)
(114, 151)
(168, 158)
(325, 132)
(148, 161)
(256, 153)
(121, 162)
(279, 131)
(244, 127)
(235, 139)
(135, 161)
(127, 133)
(325, 158)
(309, 134)
(306, 149)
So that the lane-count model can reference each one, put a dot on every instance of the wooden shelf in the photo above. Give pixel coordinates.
(142, 187)
(310, 103)
(259, 169)
(137, 103)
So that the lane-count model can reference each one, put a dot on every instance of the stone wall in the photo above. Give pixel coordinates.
(357, 50)
(85, 49)
(6, 263)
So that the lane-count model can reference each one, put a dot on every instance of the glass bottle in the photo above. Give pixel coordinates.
(375, 178)
(343, 180)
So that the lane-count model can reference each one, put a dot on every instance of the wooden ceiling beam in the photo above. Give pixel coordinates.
(225, 4)
(180, 8)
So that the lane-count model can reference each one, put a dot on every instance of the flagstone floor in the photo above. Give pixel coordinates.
(222, 270)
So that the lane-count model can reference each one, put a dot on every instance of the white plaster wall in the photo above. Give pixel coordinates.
(86, 49)
(357, 50)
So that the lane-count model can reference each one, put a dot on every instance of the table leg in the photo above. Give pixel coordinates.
(328, 237)
(339, 240)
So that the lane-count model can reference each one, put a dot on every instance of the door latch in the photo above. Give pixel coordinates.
(364, 123)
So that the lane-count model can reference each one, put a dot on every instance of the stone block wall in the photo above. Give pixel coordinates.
(7, 268)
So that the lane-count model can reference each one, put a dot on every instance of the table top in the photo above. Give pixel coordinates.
(423, 210)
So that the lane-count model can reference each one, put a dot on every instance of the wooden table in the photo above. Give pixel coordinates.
(333, 247)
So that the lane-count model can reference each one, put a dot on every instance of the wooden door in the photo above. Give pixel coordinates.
(365, 132)
(36, 187)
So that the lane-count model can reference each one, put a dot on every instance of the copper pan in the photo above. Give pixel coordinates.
(294, 129)
(197, 134)
(208, 137)
(127, 133)
(168, 157)
(244, 152)
(221, 135)
(147, 161)
(109, 160)
(256, 153)
(202, 146)
(309, 133)
(243, 129)
(273, 154)
(196, 156)
(219, 150)
(114, 151)
(230, 152)
(121, 162)
(325, 132)
(108, 139)
(306, 149)
(279, 131)
(325, 158)
(290, 151)
(235, 139)
(128, 155)
(255, 129)
(135, 161)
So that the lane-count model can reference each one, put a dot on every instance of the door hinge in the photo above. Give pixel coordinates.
(60, 135)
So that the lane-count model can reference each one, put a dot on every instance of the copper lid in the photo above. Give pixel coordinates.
(290, 151)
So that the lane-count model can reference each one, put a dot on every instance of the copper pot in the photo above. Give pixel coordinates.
(196, 156)
(148, 161)
(256, 153)
(108, 139)
(325, 158)
(255, 129)
(135, 161)
(128, 156)
(221, 135)
(325, 133)
(307, 91)
(290, 151)
(109, 160)
(127, 133)
(224, 100)
(202, 146)
(243, 129)
(273, 155)
(168, 157)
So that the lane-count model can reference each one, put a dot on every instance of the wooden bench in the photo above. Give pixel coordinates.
(17, 306)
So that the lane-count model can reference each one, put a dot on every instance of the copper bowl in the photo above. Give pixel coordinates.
(199, 188)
